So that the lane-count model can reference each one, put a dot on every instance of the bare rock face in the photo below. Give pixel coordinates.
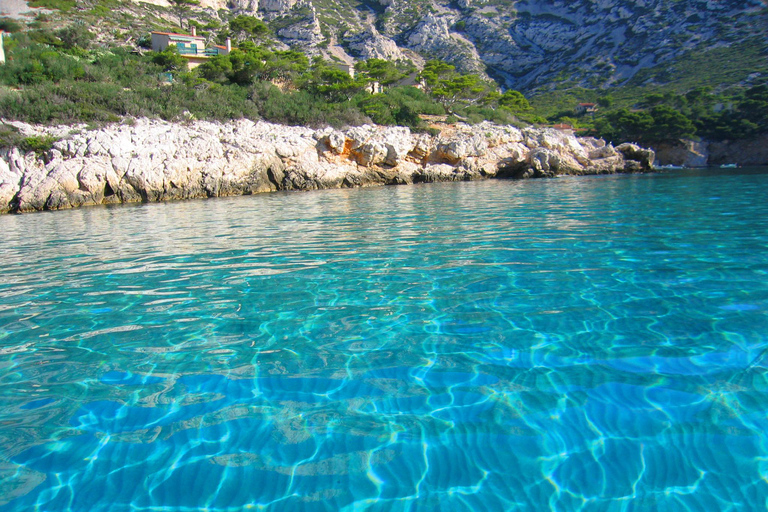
(370, 44)
(743, 152)
(526, 45)
(433, 36)
(544, 162)
(304, 32)
(152, 160)
(335, 141)
(274, 6)
(244, 6)
(453, 151)
(633, 152)
(683, 153)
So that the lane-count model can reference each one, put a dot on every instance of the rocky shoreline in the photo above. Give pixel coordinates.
(689, 153)
(149, 160)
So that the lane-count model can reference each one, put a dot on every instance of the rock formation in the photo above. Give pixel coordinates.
(688, 153)
(152, 160)
(530, 45)
(370, 44)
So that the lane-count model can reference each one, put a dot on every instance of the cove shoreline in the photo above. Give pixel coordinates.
(149, 160)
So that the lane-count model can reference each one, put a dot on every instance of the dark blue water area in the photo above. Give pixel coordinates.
(575, 344)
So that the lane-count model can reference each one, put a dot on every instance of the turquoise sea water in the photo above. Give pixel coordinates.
(571, 344)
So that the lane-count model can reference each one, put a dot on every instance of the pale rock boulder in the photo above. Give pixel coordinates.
(505, 160)
(455, 150)
(444, 172)
(371, 153)
(398, 141)
(10, 182)
(335, 141)
(497, 134)
(638, 158)
(544, 162)
(422, 148)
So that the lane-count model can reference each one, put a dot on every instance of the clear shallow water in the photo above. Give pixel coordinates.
(570, 344)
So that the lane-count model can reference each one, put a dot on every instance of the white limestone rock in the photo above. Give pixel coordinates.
(370, 44)
(152, 160)
(276, 6)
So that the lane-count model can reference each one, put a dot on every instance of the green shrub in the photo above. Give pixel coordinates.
(75, 35)
(9, 25)
(9, 137)
(45, 37)
(60, 81)
(40, 145)
(61, 5)
(145, 41)
(170, 59)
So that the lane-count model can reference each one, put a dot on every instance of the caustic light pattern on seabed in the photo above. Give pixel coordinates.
(570, 344)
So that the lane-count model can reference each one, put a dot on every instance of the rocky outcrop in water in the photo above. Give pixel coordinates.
(688, 153)
(157, 161)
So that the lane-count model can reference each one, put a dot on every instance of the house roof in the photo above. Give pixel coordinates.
(178, 35)
(587, 104)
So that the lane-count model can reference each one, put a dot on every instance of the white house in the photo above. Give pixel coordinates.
(2, 50)
(586, 108)
(346, 68)
(191, 47)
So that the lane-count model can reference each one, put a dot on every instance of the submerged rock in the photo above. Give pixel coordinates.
(151, 160)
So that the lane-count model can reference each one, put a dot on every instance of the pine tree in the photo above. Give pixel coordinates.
(182, 8)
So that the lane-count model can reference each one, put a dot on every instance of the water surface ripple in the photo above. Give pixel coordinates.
(570, 344)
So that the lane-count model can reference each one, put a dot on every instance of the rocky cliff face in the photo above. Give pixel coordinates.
(702, 153)
(528, 43)
(157, 161)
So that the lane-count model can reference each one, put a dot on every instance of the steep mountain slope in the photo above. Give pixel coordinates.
(531, 45)
(526, 44)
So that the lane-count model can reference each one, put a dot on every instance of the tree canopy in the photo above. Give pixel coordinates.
(248, 27)
(182, 8)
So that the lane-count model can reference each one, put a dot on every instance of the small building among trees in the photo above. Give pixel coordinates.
(586, 108)
(190, 46)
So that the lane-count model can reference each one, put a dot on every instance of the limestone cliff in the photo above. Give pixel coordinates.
(529, 45)
(689, 153)
(156, 161)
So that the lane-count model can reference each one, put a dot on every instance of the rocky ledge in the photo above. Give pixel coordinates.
(149, 160)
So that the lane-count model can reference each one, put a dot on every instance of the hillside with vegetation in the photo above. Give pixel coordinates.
(89, 61)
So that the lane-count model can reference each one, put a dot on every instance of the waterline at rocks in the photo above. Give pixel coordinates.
(150, 160)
